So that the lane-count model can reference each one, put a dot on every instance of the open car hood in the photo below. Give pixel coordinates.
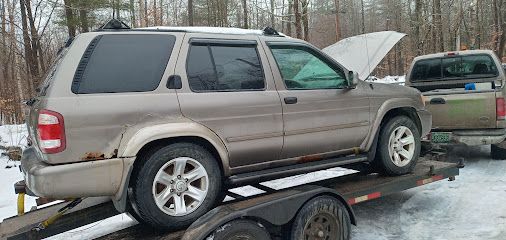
(362, 53)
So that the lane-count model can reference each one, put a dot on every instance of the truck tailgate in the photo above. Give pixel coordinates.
(462, 109)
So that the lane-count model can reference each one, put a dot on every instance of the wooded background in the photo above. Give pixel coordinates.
(32, 31)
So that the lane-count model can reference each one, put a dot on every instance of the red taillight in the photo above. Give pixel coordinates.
(501, 109)
(51, 132)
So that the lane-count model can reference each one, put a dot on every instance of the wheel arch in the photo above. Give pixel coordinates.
(389, 110)
(137, 142)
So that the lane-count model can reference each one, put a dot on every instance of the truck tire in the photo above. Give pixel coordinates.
(175, 185)
(398, 146)
(498, 152)
(323, 217)
(241, 230)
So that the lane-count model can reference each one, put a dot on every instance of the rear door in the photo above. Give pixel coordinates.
(228, 87)
(461, 90)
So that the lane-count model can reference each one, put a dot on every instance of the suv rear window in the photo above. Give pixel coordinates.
(123, 63)
(460, 67)
(224, 68)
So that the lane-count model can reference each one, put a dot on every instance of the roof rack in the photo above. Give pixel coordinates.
(270, 31)
(114, 24)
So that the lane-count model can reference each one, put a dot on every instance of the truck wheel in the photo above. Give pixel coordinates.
(176, 185)
(242, 230)
(323, 217)
(497, 152)
(399, 146)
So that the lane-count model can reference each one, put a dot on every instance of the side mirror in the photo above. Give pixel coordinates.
(352, 79)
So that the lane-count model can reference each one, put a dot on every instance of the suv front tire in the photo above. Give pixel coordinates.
(398, 146)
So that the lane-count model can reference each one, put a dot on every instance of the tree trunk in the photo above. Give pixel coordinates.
(245, 14)
(289, 22)
(298, 27)
(338, 25)
(133, 21)
(69, 16)
(272, 13)
(438, 26)
(305, 19)
(83, 17)
(190, 13)
(418, 23)
(27, 45)
(363, 16)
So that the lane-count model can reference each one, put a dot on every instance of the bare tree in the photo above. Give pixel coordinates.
(296, 11)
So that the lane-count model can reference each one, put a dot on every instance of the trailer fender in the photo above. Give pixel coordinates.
(277, 209)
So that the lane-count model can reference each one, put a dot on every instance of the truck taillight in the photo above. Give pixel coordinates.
(501, 109)
(51, 132)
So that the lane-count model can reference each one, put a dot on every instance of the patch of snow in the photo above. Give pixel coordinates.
(9, 171)
(97, 229)
(13, 135)
(388, 79)
(472, 207)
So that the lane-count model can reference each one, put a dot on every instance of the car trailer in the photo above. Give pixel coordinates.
(316, 210)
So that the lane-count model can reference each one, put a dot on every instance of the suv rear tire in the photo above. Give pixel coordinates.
(498, 152)
(176, 185)
(398, 146)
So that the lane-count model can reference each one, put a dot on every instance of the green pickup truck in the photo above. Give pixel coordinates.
(465, 93)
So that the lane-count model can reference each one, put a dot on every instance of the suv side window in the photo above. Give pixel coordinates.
(220, 67)
(302, 68)
(118, 63)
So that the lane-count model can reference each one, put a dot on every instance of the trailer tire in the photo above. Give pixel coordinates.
(242, 230)
(322, 217)
(393, 148)
(498, 152)
(164, 213)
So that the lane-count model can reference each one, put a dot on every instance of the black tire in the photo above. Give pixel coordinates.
(330, 211)
(383, 161)
(497, 152)
(242, 230)
(142, 186)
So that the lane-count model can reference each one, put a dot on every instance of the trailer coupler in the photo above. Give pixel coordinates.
(43, 225)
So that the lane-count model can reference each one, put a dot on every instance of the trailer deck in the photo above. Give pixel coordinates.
(354, 188)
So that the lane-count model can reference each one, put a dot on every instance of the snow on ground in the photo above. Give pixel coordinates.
(472, 207)
(11, 135)
(388, 79)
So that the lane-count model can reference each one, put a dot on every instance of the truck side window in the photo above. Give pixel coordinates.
(224, 68)
(302, 69)
(118, 63)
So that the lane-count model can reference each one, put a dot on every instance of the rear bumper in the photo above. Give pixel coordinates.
(82, 179)
(479, 137)
(426, 121)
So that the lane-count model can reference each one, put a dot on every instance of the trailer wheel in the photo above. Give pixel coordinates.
(242, 230)
(323, 217)
(398, 146)
(498, 152)
(176, 185)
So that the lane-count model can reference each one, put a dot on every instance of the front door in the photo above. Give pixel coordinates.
(228, 87)
(321, 114)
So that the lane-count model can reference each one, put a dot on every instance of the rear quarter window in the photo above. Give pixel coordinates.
(123, 63)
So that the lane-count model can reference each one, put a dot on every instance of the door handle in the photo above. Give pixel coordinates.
(437, 101)
(290, 100)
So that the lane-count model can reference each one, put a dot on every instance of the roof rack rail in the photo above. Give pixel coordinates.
(114, 24)
(270, 31)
